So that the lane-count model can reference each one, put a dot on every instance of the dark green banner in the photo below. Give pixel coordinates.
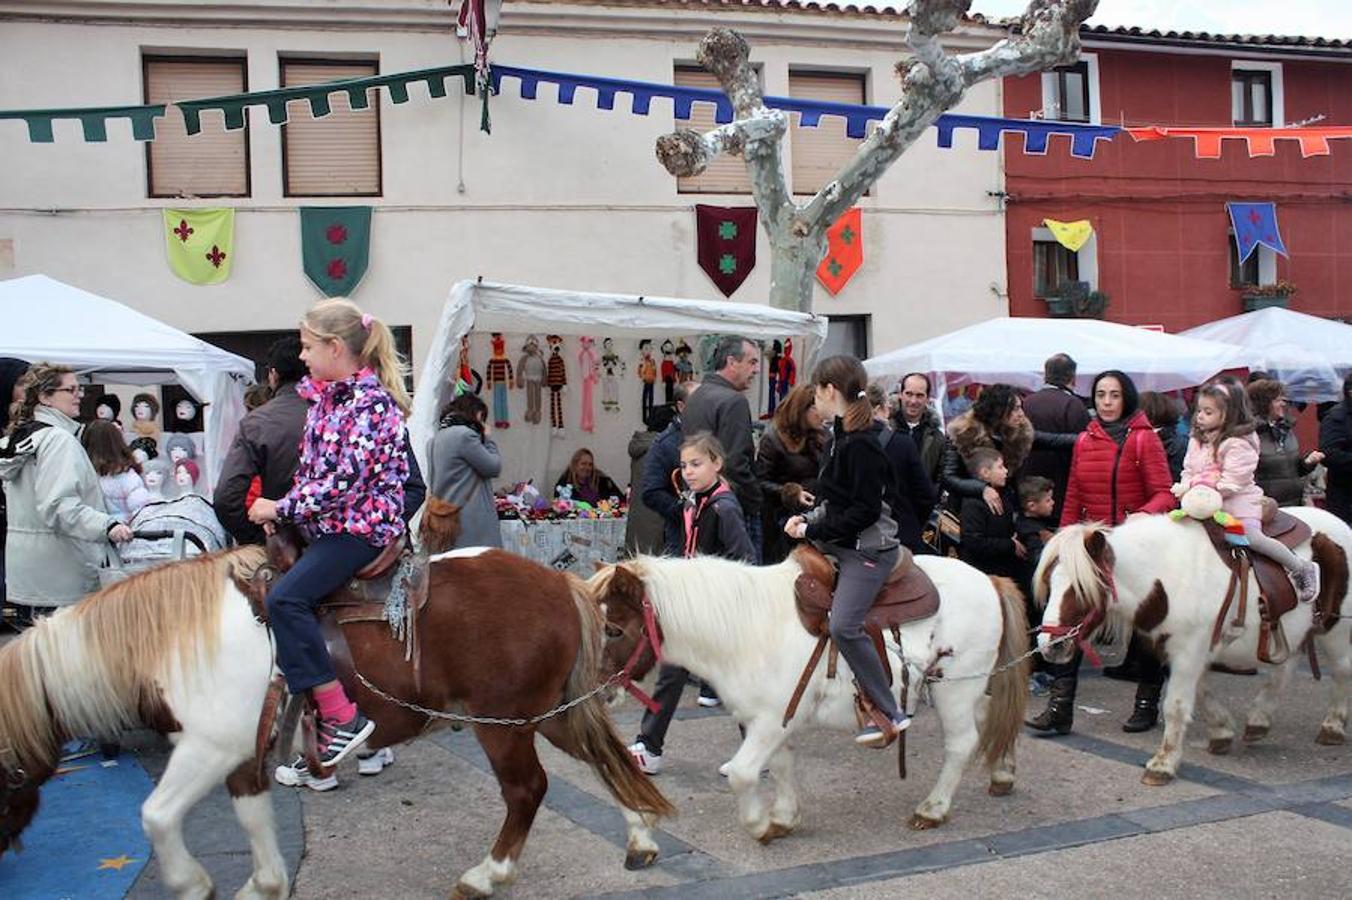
(335, 244)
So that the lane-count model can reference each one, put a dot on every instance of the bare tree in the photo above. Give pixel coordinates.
(932, 80)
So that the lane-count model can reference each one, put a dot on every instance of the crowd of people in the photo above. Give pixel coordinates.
(864, 472)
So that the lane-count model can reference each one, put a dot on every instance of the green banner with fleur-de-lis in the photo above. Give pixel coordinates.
(200, 243)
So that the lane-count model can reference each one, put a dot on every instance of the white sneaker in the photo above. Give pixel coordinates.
(648, 763)
(708, 702)
(374, 763)
(298, 775)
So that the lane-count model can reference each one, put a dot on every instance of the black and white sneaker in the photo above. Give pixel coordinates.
(339, 740)
(298, 775)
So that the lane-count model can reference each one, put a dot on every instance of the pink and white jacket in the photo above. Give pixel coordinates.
(353, 462)
(1230, 469)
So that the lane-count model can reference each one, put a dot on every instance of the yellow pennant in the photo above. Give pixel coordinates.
(200, 243)
(1071, 235)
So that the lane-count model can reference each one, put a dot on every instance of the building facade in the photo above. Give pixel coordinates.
(564, 196)
(1163, 249)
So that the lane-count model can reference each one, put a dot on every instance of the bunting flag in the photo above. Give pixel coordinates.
(200, 244)
(726, 244)
(1255, 223)
(844, 251)
(335, 245)
(1071, 235)
(1206, 142)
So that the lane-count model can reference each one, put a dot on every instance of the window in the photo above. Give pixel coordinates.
(1259, 268)
(1053, 266)
(725, 175)
(819, 153)
(338, 155)
(846, 334)
(1256, 94)
(1070, 92)
(212, 163)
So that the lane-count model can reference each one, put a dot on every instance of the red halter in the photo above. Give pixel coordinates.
(651, 637)
(1089, 623)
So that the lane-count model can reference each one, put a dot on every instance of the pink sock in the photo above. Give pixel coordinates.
(334, 705)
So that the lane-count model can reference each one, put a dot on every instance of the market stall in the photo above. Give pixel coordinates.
(1309, 354)
(568, 370)
(48, 321)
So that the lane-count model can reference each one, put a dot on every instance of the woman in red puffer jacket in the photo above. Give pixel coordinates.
(1119, 468)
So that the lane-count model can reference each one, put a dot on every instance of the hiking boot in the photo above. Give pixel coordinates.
(1306, 580)
(649, 763)
(339, 740)
(873, 735)
(375, 762)
(1147, 711)
(1060, 712)
(298, 775)
(1128, 671)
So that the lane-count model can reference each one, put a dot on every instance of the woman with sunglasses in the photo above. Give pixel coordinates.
(58, 525)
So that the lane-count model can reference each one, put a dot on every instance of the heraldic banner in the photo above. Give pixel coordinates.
(726, 237)
(199, 243)
(335, 244)
(844, 251)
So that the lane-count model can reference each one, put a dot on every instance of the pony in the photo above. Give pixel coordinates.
(1163, 579)
(736, 626)
(179, 649)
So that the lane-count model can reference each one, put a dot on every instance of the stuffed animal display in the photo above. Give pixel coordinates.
(499, 380)
(530, 374)
(612, 369)
(556, 379)
(589, 366)
(647, 373)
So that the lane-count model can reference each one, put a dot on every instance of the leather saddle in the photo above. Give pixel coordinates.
(1276, 593)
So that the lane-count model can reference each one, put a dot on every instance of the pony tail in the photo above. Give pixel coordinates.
(858, 414)
(379, 353)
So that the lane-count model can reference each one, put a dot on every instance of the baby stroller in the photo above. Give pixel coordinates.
(165, 531)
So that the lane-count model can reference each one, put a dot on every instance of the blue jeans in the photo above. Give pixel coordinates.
(755, 529)
(293, 603)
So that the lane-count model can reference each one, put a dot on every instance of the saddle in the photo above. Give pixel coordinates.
(907, 596)
(1276, 593)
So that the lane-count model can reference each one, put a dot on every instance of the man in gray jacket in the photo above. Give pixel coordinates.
(720, 407)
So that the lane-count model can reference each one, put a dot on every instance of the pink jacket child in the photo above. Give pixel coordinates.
(353, 463)
(1230, 470)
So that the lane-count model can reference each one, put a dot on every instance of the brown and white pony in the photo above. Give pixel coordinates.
(178, 649)
(1163, 579)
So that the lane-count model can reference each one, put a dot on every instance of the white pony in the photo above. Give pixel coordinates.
(1164, 579)
(737, 627)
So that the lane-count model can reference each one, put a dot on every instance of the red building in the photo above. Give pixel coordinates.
(1163, 250)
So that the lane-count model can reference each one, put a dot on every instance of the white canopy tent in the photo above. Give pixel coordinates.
(515, 310)
(1012, 351)
(1309, 354)
(47, 321)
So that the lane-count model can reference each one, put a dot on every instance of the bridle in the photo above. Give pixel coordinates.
(650, 635)
(1082, 630)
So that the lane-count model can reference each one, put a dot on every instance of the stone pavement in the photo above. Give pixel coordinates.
(1272, 818)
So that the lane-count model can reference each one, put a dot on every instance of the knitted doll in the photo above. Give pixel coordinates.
(589, 366)
(530, 374)
(556, 379)
(775, 355)
(788, 371)
(647, 373)
(669, 371)
(685, 369)
(145, 414)
(500, 380)
(467, 380)
(612, 369)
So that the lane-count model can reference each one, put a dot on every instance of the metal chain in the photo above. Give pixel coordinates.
(487, 720)
(932, 679)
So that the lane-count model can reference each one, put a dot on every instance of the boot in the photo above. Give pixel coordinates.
(1060, 712)
(1147, 711)
(1128, 671)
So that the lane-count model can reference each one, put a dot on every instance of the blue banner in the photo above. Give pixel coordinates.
(1254, 224)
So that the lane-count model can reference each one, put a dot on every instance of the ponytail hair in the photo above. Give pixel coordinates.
(366, 337)
(39, 381)
(846, 374)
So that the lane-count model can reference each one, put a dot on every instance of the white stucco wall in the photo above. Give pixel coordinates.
(557, 196)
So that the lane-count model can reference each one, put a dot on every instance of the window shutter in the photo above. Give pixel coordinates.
(819, 153)
(725, 175)
(212, 163)
(338, 155)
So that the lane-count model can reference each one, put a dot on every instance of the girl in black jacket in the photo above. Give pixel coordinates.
(854, 522)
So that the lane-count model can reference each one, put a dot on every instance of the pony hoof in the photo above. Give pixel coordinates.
(775, 832)
(1220, 746)
(1156, 779)
(924, 823)
(1330, 738)
(1000, 788)
(1256, 732)
(635, 860)
(464, 891)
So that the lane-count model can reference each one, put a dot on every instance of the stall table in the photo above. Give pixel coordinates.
(569, 545)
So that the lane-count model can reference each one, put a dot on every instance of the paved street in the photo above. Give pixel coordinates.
(1272, 818)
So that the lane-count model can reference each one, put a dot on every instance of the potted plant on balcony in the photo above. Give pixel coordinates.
(1074, 300)
(1261, 296)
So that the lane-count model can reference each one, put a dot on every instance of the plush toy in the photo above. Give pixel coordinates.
(647, 373)
(556, 379)
(145, 412)
(788, 371)
(1200, 500)
(108, 407)
(530, 374)
(144, 449)
(590, 368)
(467, 380)
(773, 355)
(685, 369)
(500, 380)
(612, 369)
(669, 370)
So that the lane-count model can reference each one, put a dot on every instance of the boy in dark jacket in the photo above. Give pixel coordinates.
(1035, 524)
(989, 541)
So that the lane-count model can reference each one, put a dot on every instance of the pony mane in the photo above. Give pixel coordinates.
(89, 669)
(1067, 550)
